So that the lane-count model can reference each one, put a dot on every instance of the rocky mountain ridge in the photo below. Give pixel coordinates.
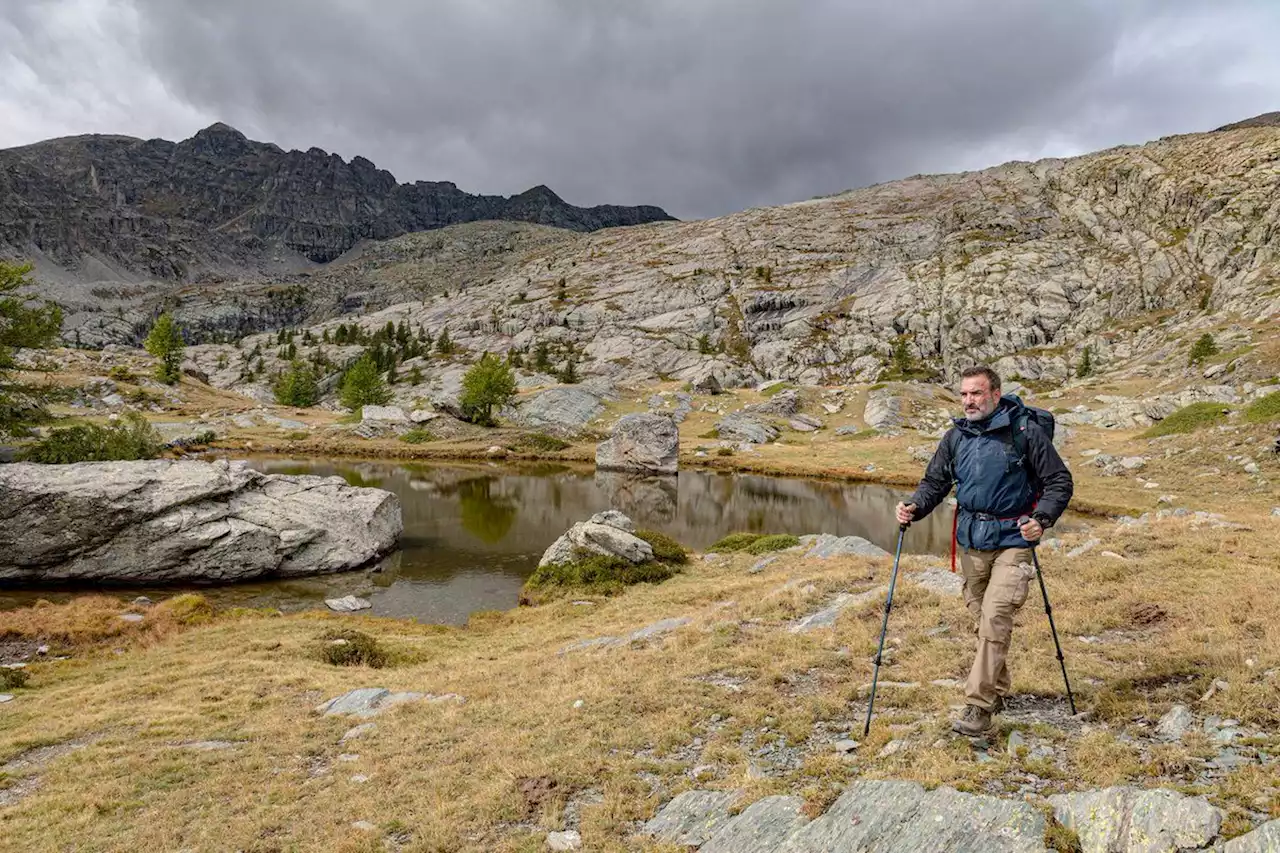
(219, 203)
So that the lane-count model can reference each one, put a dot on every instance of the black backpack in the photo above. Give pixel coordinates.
(1018, 435)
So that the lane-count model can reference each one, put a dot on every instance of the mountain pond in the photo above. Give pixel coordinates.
(473, 532)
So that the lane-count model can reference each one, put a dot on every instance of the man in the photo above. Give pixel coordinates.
(999, 477)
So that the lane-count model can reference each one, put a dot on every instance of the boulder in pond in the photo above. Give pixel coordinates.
(608, 533)
(162, 521)
(641, 443)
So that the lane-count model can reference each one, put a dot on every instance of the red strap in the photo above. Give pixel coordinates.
(955, 524)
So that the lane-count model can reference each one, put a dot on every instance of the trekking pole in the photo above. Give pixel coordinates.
(888, 604)
(1048, 611)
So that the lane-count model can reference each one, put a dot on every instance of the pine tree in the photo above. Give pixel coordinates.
(28, 324)
(488, 384)
(165, 343)
(542, 357)
(704, 344)
(444, 345)
(363, 385)
(1086, 364)
(1204, 347)
(569, 375)
(296, 386)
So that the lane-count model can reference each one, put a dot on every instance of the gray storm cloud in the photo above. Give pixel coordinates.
(701, 107)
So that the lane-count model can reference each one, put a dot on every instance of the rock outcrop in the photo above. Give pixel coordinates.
(641, 443)
(168, 521)
(609, 533)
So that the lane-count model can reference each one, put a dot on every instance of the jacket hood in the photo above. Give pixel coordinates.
(999, 419)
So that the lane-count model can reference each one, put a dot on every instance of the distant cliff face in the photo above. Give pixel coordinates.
(219, 202)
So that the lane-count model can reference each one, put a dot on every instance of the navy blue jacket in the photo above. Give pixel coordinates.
(994, 486)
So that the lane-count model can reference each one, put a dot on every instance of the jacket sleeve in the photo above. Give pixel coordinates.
(1055, 479)
(937, 481)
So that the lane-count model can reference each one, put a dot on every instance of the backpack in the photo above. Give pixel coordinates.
(1041, 417)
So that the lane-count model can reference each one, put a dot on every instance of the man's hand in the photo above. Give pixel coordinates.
(1031, 530)
(906, 513)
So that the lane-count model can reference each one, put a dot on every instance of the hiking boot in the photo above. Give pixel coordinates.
(997, 706)
(974, 722)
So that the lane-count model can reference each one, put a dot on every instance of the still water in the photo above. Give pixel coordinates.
(474, 532)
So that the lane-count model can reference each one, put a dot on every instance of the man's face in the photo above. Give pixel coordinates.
(978, 399)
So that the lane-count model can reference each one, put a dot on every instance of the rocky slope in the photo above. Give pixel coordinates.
(131, 215)
(1132, 252)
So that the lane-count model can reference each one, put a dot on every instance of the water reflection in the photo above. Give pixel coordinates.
(474, 532)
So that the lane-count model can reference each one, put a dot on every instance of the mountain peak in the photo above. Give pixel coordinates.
(541, 192)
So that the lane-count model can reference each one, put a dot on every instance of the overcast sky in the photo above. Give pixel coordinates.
(701, 106)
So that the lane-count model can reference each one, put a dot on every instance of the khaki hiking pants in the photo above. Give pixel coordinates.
(996, 584)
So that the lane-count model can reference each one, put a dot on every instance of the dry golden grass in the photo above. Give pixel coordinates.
(446, 776)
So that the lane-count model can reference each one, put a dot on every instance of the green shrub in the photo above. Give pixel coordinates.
(665, 549)
(776, 389)
(541, 442)
(724, 451)
(351, 648)
(1263, 409)
(363, 385)
(120, 373)
(417, 436)
(736, 541)
(164, 341)
(489, 384)
(774, 542)
(129, 438)
(593, 573)
(296, 386)
(12, 679)
(1203, 348)
(188, 608)
(1189, 419)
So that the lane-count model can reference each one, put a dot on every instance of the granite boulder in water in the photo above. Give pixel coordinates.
(162, 521)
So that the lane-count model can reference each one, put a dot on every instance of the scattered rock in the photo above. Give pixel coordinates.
(347, 604)
(901, 817)
(609, 533)
(691, 818)
(761, 564)
(357, 732)
(1129, 819)
(372, 701)
(760, 828)
(804, 423)
(1218, 686)
(845, 745)
(743, 427)
(643, 443)
(827, 545)
(939, 580)
(363, 826)
(569, 840)
(649, 632)
(826, 618)
(893, 747)
(884, 410)
(1081, 550)
(131, 617)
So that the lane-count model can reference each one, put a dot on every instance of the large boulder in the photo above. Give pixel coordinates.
(744, 427)
(565, 409)
(642, 443)
(609, 533)
(166, 521)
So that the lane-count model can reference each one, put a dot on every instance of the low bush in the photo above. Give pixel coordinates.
(1189, 419)
(591, 573)
(417, 436)
(348, 647)
(120, 373)
(540, 442)
(12, 679)
(755, 543)
(1263, 409)
(775, 542)
(129, 438)
(665, 549)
